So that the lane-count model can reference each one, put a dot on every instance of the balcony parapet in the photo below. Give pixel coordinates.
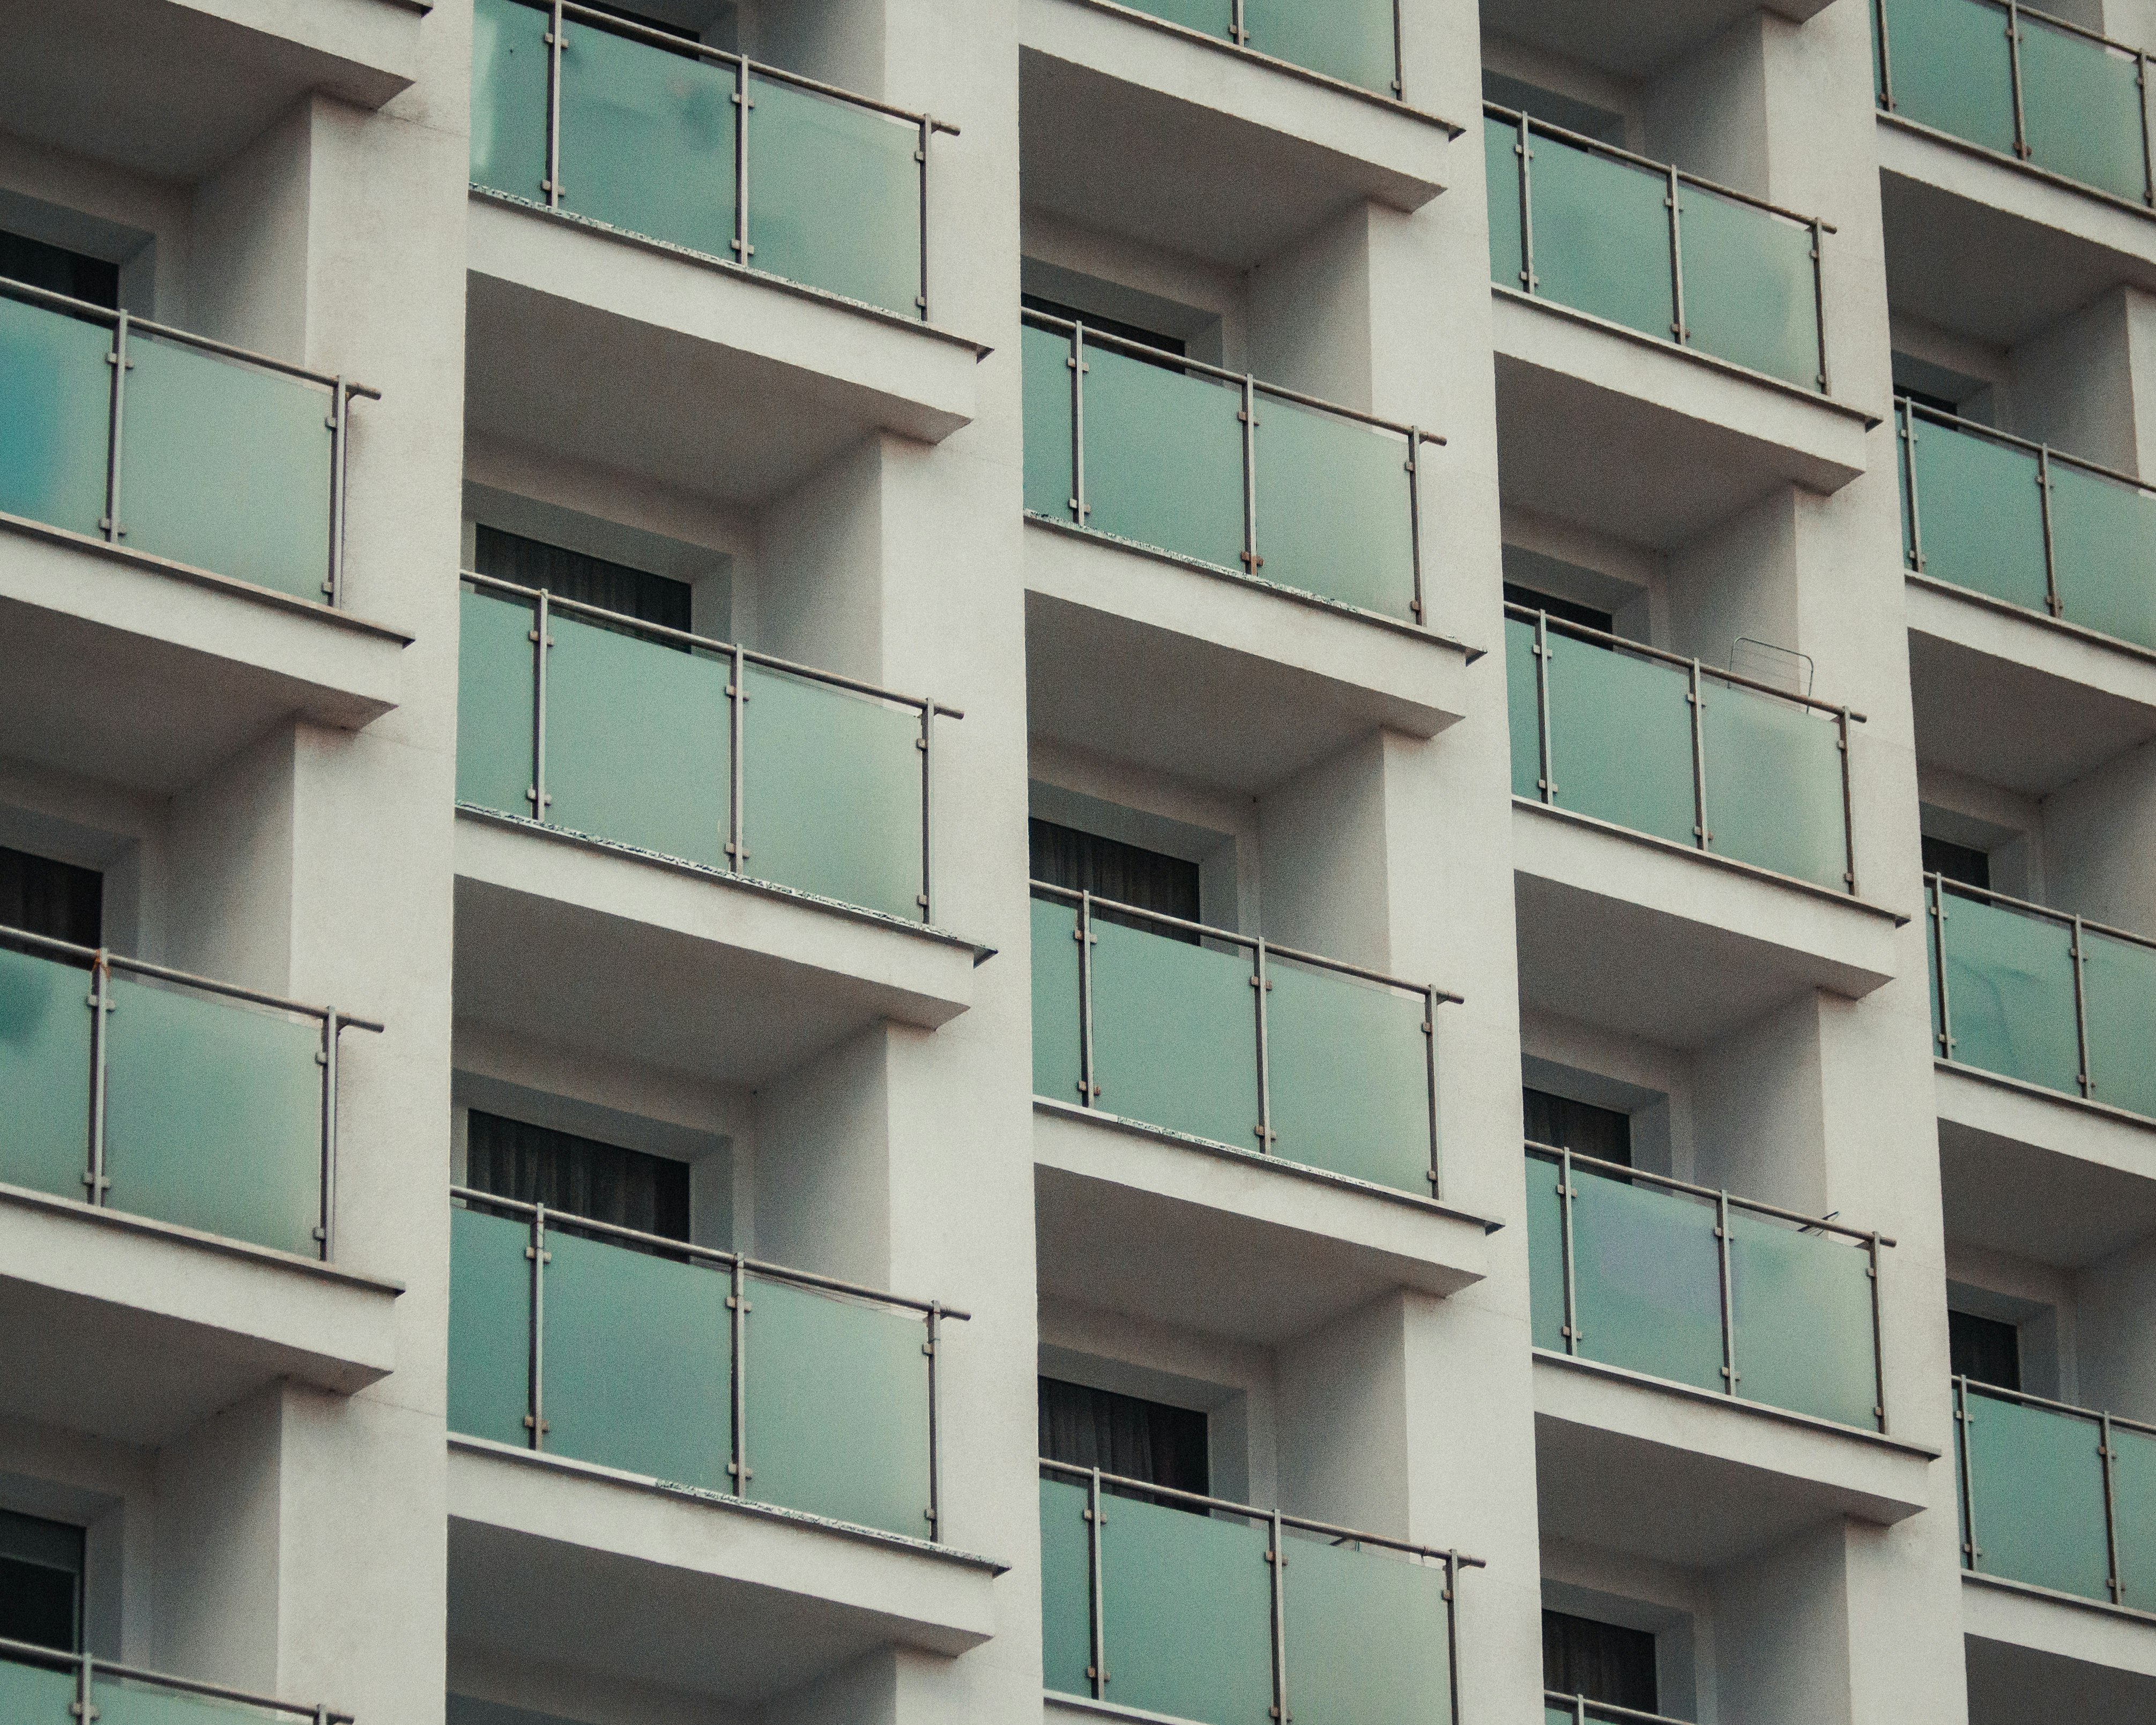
(39, 1683)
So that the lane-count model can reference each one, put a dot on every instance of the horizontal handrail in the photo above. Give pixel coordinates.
(1597, 1165)
(1578, 1704)
(1977, 1386)
(90, 1666)
(1976, 428)
(2064, 23)
(2066, 917)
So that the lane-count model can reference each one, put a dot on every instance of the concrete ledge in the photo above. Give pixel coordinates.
(136, 1330)
(2067, 1658)
(1631, 41)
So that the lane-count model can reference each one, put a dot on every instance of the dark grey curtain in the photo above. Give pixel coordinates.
(1107, 326)
(1601, 1661)
(1564, 610)
(1964, 863)
(1123, 1435)
(59, 271)
(1579, 1127)
(587, 580)
(1085, 862)
(1985, 1349)
(535, 1164)
(40, 1582)
(55, 899)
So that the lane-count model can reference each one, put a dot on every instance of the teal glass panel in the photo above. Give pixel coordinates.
(2039, 1495)
(1365, 1636)
(490, 1326)
(1058, 1055)
(2133, 1497)
(1951, 68)
(1175, 1034)
(1187, 1606)
(1164, 458)
(1750, 294)
(1335, 516)
(832, 800)
(1350, 1076)
(1501, 170)
(638, 1362)
(639, 740)
(1556, 1715)
(2011, 992)
(648, 138)
(494, 702)
(1348, 39)
(36, 1694)
(2081, 106)
(1774, 783)
(1066, 1588)
(56, 411)
(1601, 235)
(1979, 513)
(1802, 1304)
(213, 1115)
(1523, 712)
(2118, 984)
(1646, 1279)
(834, 196)
(44, 1075)
(1620, 738)
(509, 97)
(837, 1408)
(124, 1700)
(226, 467)
(1044, 362)
(1546, 1253)
(2103, 545)
(1215, 18)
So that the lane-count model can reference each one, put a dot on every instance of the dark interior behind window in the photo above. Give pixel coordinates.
(1125, 1434)
(1984, 1349)
(55, 899)
(41, 1565)
(1128, 874)
(1564, 610)
(1964, 863)
(1581, 1127)
(1602, 1661)
(59, 270)
(537, 1164)
(577, 576)
(1106, 326)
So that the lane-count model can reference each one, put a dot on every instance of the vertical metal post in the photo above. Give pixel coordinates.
(1414, 522)
(921, 155)
(1089, 1081)
(1429, 1073)
(742, 250)
(1701, 831)
(1677, 327)
(738, 1469)
(2050, 558)
(1400, 54)
(542, 632)
(556, 41)
(1261, 985)
(1237, 29)
(1579, 1710)
(1565, 1194)
(535, 1422)
(933, 1348)
(1098, 1670)
(1525, 150)
(2110, 1517)
(2014, 63)
(1878, 1337)
(118, 360)
(737, 780)
(1079, 510)
(1452, 1629)
(927, 895)
(340, 418)
(326, 1233)
(2081, 1012)
(1277, 1561)
(1938, 907)
(86, 1682)
(1728, 1295)
(100, 1004)
(1252, 563)
(1971, 1553)
(1909, 474)
(1547, 783)
(2141, 91)
(1885, 92)
(1841, 720)
(1819, 297)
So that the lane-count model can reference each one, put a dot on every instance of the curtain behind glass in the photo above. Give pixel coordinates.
(55, 899)
(1581, 1127)
(535, 1164)
(1124, 1435)
(1601, 1661)
(40, 1582)
(586, 580)
(1085, 862)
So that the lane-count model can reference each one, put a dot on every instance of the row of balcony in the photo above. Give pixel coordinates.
(39, 1686)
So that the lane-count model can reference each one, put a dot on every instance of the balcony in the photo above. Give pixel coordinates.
(1169, 1606)
(1356, 43)
(38, 1687)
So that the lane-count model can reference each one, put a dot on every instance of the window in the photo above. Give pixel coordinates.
(1563, 1124)
(55, 899)
(537, 1164)
(1106, 326)
(1602, 1661)
(1984, 1349)
(1124, 1435)
(586, 580)
(1564, 610)
(40, 1582)
(1585, 118)
(1128, 874)
(1964, 863)
(59, 271)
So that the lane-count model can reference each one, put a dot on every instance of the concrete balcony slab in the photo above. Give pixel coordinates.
(569, 1564)
(1216, 679)
(1631, 41)
(1680, 442)
(2034, 1656)
(128, 669)
(1705, 1481)
(136, 1330)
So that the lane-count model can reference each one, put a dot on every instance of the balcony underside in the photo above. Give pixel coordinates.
(2031, 1658)
(1632, 42)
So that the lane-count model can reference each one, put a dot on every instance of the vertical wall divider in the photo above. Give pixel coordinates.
(737, 780)
(1098, 1670)
(2087, 1078)
(1728, 1294)
(1548, 782)
(737, 1308)
(117, 358)
(1848, 802)
(1525, 150)
(1938, 908)
(1695, 699)
(555, 42)
(932, 1347)
(1077, 361)
(535, 1421)
(1261, 985)
(1677, 326)
(100, 1004)
(1414, 522)
(2052, 600)
(1565, 1194)
(1252, 563)
(325, 1232)
(542, 632)
(1878, 1337)
(2112, 1578)
(1089, 1080)
(742, 250)
(1276, 1562)
(2014, 65)
(927, 894)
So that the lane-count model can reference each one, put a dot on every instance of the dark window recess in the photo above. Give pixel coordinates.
(688, 33)
(1600, 124)
(587, 580)
(58, 270)
(1107, 868)
(1964, 863)
(1985, 1349)
(1602, 1661)
(55, 899)
(1124, 1435)
(40, 1583)
(535, 1164)
(1579, 1127)
(1564, 610)
(1925, 398)
(1106, 326)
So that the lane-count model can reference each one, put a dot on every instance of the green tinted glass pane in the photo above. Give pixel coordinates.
(226, 467)
(1350, 1076)
(1749, 295)
(1215, 17)
(1546, 1253)
(648, 140)
(1979, 514)
(1620, 738)
(44, 1075)
(2039, 1495)
(2011, 992)
(1175, 1034)
(1802, 1309)
(638, 1365)
(639, 740)
(490, 1326)
(1334, 515)
(1187, 1606)
(2081, 105)
(1523, 708)
(494, 702)
(123, 1701)
(1501, 168)
(837, 1408)
(213, 1115)
(834, 196)
(509, 97)
(1951, 68)
(36, 1694)
(1601, 235)
(2119, 982)
(55, 408)
(832, 799)
(1774, 783)
(2133, 1492)
(1556, 1715)
(1348, 39)
(1056, 1053)
(1045, 359)
(1163, 457)
(1366, 1635)
(2103, 542)
(1646, 1279)
(1066, 1588)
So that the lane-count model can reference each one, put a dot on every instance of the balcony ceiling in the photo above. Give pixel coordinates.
(1631, 39)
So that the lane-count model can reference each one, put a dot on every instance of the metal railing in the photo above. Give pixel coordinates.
(1557, 1708)
(848, 768)
(1757, 774)
(2053, 95)
(2056, 1496)
(1644, 245)
(1116, 1626)
(169, 1095)
(173, 444)
(1353, 42)
(1658, 1275)
(850, 1433)
(59, 1685)
(667, 149)
(1338, 1071)
(1349, 521)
